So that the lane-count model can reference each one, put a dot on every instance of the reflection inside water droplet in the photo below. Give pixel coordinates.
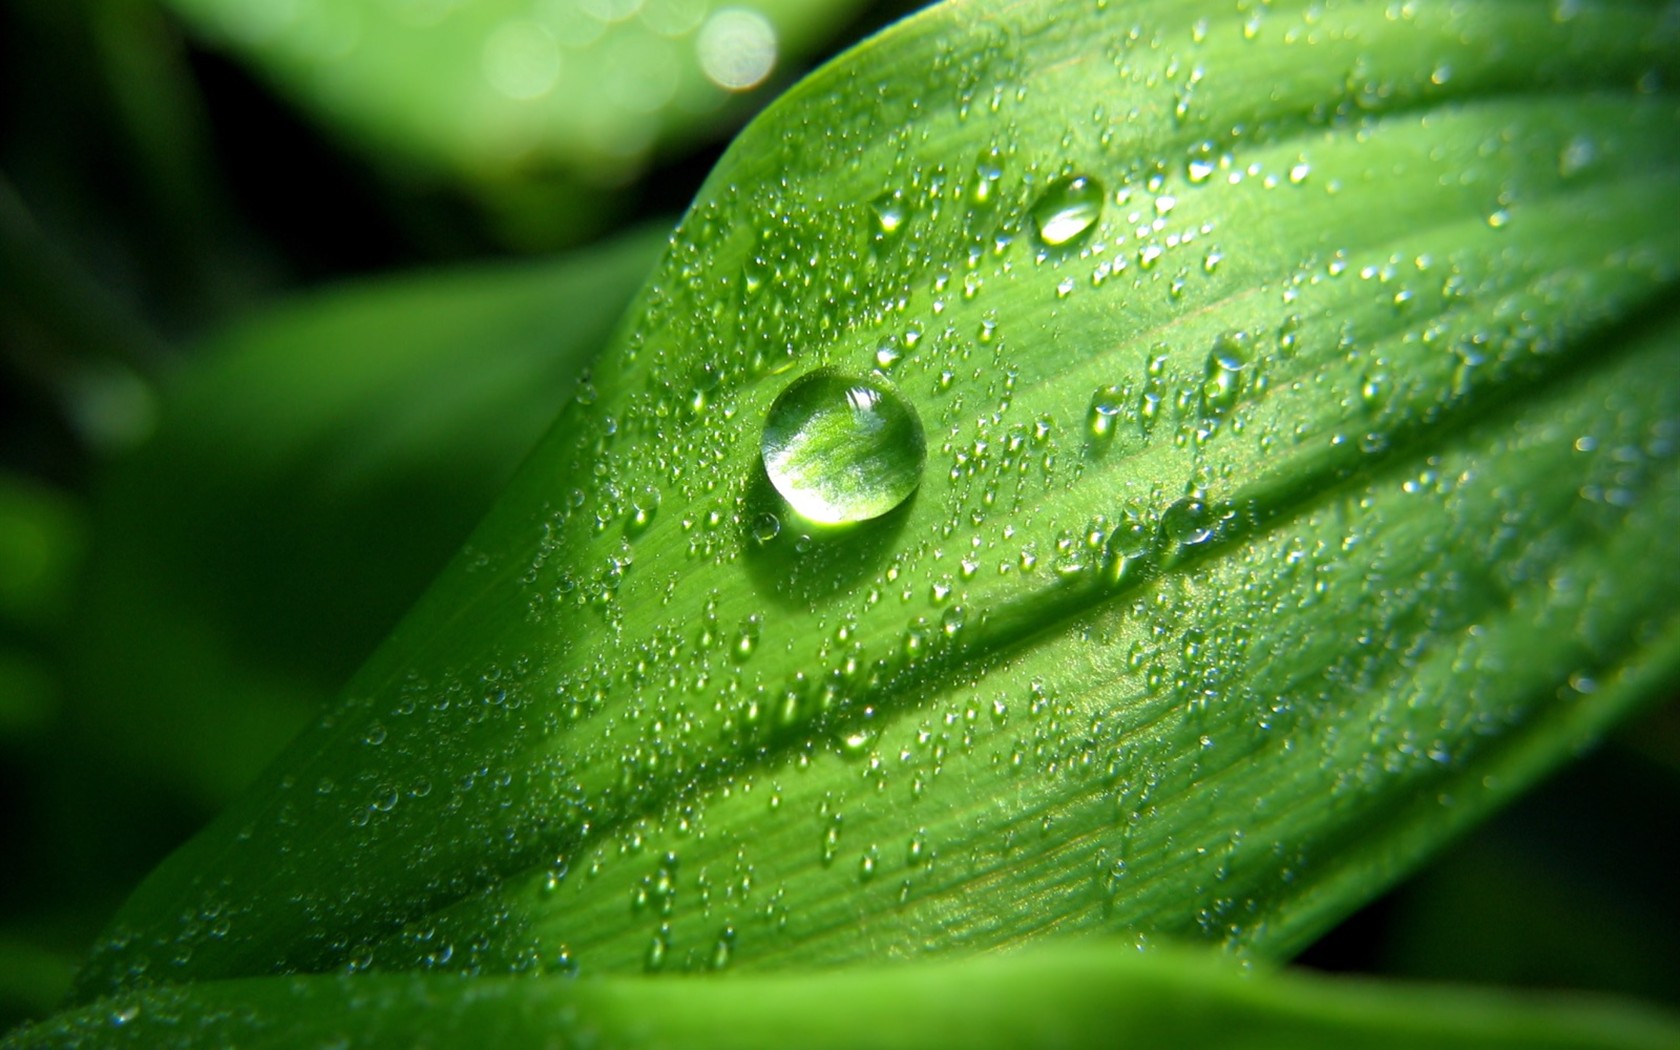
(1068, 210)
(842, 449)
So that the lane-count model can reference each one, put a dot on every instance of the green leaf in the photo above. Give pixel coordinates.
(1288, 505)
(489, 90)
(1076, 995)
(41, 541)
(40, 551)
(33, 977)
(311, 473)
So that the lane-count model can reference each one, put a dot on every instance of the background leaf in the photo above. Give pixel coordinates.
(315, 465)
(1377, 529)
(538, 107)
(310, 475)
(1074, 996)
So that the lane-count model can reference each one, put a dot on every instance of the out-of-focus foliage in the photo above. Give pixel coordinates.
(307, 477)
(528, 103)
(1073, 995)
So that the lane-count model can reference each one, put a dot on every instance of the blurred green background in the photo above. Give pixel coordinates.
(288, 287)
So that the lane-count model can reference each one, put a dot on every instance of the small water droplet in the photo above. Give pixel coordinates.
(565, 964)
(1127, 549)
(724, 950)
(843, 450)
(889, 213)
(1373, 390)
(1114, 876)
(385, 799)
(856, 743)
(831, 841)
(1225, 363)
(643, 506)
(918, 852)
(747, 640)
(955, 618)
(1067, 210)
(657, 950)
(985, 182)
(1187, 522)
(766, 527)
(1103, 418)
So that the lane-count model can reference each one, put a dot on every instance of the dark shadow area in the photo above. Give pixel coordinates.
(1566, 889)
(795, 562)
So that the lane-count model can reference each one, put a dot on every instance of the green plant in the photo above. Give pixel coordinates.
(1299, 414)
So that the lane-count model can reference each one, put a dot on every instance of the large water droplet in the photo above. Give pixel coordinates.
(842, 449)
(1068, 210)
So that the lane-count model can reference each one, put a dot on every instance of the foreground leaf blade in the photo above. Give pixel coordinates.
(1282, 514)
(1186, 761)
(1077, 995)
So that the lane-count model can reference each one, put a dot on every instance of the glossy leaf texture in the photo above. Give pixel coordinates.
(495, 89)
(311, 472)
(1301, 482)
(1075, 995)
